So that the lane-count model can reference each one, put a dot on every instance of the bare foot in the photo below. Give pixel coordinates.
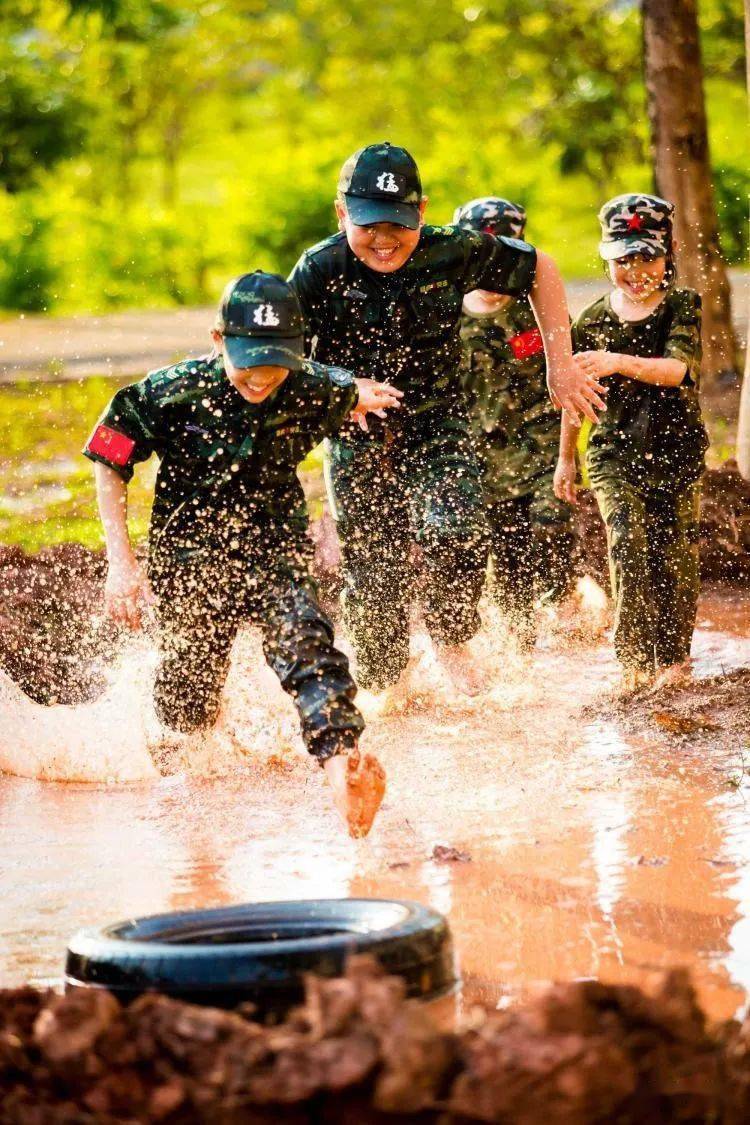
(462, 666)
(169, 754)
(674, 675)
(358, 784)
(634, 680)
(375, 704)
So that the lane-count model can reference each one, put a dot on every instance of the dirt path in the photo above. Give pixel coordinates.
(131, 343)
(592, 840)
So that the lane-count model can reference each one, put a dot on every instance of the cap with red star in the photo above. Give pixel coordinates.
(635, 224)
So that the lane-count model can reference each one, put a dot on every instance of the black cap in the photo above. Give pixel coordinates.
(492, 214)
(381, 184)
(261, 321)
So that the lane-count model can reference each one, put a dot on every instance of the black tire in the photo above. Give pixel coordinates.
(258, 952)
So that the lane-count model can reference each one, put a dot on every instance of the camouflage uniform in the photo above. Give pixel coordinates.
(228, 539)
(645, 456)
(517, 433)
(414, 477)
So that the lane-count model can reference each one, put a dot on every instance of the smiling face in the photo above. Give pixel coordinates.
(255, 384)
(383, 247)
(638, 277)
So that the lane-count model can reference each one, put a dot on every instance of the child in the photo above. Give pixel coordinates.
(383, 297)
(645, 458)
(516, 433)
(228, 537)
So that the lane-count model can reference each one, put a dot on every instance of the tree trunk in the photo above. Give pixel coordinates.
(743, 422)
(682, 169)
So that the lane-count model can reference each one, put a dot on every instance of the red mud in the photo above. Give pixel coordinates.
(358, 1052)
(692, 712)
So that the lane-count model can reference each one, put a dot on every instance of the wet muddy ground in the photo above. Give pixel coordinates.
(591, 839)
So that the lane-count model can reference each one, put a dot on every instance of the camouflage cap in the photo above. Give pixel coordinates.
(493, 215)
(261, 321)
(635, 224)
(381, 184)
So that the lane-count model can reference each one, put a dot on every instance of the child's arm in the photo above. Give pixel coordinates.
(127, 588)
(660, 372)
(124, 436)
(565, 474)
(680, 361)
(504, 265)
(572, 388)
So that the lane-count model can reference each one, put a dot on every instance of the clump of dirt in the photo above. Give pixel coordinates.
(358, 1052)
(49, 639)
(725, 526)
(693, 711)
(724, 530)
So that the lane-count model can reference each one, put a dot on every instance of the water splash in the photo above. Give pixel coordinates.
(117, 738)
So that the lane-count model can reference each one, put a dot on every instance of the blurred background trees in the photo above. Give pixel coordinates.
(682, 167)
(150, 148)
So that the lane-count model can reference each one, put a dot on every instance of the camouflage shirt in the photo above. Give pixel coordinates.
(504, 376)
(404, 326)
(650, 433)
(226, 465)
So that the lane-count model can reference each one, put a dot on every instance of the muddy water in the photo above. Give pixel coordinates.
(592, 851)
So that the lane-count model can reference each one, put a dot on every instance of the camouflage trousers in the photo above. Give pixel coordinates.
(202, 602)
(652, 540)
(387, 493)
(531, 543)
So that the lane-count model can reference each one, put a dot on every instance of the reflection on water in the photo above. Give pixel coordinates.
(591, 852)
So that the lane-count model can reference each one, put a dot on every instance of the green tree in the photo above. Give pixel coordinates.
(41, 112)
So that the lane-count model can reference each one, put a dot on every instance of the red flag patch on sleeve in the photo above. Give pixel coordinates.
(527, 343)
(111, 445)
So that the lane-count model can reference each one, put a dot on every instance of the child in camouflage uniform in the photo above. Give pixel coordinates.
(646, 456)
(228, 538)
(383, 297)
(516, 433)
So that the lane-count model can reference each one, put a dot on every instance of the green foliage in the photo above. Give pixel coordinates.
(27, 271)
(46, 486)
(41, 110)
(162, 145)
(732, 187)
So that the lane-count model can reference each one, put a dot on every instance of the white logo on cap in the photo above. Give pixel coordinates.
(265, 316)
(386, 182)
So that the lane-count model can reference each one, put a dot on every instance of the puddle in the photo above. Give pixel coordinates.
(593, 851)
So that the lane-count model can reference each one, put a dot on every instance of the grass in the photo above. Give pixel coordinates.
(46, 486)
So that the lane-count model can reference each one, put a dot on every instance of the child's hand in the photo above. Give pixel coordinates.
(597, 365)
(575, 391)
(375, 398)
(127, 592)
(564, 481)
